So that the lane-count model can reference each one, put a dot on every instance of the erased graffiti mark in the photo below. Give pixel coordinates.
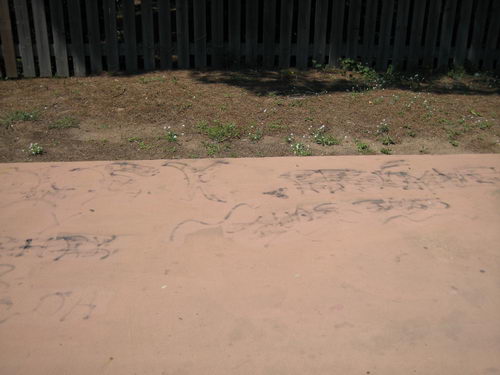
(59, 247)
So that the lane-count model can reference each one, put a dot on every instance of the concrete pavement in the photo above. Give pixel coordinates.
(319, 265)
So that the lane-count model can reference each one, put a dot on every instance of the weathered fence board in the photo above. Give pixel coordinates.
(182, 17)
(142, 35)
(200, 33)
(475, 49)
(165, 30)
(218, 55)
(463, 32)
(353, 28)
(384, 43)
(286, 33)
(148, 41)
(449, 12)
(431, 34)
(7, 40)
(251, 31)
(42, 38)
(417, 33)
(303, 30)
(76, 33)
(234, 33)
(59, 36)
(400, 33)
(94, 35)
(112, 60)
(320, 20)
(24, 35)
(337, 32)
(269, 33)
(369, 32)
(490, 56)
(129, 36)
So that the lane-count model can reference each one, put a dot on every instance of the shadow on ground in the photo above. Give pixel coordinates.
(290, 83)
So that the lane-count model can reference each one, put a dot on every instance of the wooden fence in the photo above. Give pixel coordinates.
(79, 37)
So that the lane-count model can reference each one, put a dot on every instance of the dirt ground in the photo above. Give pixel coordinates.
(179, 114)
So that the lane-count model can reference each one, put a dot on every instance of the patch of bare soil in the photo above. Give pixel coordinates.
(179, 114)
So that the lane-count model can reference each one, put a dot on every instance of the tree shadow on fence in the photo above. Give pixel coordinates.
(300, 83)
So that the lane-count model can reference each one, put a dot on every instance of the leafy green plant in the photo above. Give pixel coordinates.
(363, 148)
(17, 116)
(383, 127)
(256, 135)
(457, 72)
(35, 149)
(171, 136)
(323, 139)
(219, 132)
(65, 123)
(387, 140)
(386, 151)
(212, 148)
(300, 149)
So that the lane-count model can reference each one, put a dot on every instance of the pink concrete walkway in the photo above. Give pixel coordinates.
(335, 265)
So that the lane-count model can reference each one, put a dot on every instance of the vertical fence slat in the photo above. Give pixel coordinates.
(492, 37)
(165, 30)
(286, 33)
(369, 32)
(181, 14)
(94, 36)
(303, 30)
(320, 20)
(463, 33)
(431, 33)
(417, 28)
(251, 32)
(353, 28)
(479, 25)
(234, 13)
(109, 8)
(76, 33)
(385, 34)
(337, 32)
(200, 33)
(148, 41)
(449, 12)
(59, 36)
(8, 50)
(129, 36)
(24, 34)
(217, 33)
(400, 37)
(42, 38)
(269, 33)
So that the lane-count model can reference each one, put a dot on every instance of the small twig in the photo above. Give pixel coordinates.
(120, 94)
